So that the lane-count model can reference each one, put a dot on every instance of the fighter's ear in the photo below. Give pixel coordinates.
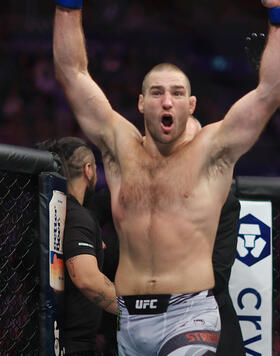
(192, 103)
(141, 103)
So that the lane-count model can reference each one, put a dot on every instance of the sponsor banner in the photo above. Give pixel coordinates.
(251, 277)
(57, 211)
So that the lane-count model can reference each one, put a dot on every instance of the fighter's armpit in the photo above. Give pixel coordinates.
(220, 162)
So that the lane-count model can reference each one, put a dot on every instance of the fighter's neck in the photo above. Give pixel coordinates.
(155, 148)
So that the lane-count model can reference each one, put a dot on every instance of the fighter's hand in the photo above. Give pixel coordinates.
(254, 46)
(271, 3)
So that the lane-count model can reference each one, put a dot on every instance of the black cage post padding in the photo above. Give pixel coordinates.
(257, 188)
(27, 160)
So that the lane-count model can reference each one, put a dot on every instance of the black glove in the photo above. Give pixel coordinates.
(254, 46)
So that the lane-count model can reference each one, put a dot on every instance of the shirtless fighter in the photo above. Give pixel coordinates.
(167, 190)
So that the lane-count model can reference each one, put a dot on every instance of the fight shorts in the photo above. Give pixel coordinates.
(164, 324)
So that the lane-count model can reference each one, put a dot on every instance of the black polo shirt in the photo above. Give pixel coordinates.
(82, 235)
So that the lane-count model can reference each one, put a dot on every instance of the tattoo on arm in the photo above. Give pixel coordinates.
(102, 301)
(99, 299)
(71, 269)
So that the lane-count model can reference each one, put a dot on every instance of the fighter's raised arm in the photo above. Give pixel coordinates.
(245, 121)
(89, 104)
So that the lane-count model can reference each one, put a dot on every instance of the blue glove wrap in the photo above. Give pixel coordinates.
(72, 4)
(274, 15)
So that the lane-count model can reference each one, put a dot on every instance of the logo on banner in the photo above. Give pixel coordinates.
(253, 244)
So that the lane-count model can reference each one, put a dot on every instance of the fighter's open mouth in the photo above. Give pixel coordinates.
(167, 120)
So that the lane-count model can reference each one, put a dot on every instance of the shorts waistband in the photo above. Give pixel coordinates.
(156, 303)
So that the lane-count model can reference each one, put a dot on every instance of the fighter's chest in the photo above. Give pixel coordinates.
(155, 185)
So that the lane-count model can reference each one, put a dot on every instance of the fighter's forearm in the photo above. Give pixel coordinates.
(269, 67)
(69, 44)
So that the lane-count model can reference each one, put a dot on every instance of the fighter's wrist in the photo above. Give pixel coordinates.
(72, 4)
(274, 15)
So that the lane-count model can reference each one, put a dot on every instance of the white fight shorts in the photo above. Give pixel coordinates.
(174, 325)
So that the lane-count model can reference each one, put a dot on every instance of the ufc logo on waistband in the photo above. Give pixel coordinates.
(146, 303)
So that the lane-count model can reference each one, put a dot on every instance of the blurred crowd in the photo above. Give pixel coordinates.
(124, 40)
